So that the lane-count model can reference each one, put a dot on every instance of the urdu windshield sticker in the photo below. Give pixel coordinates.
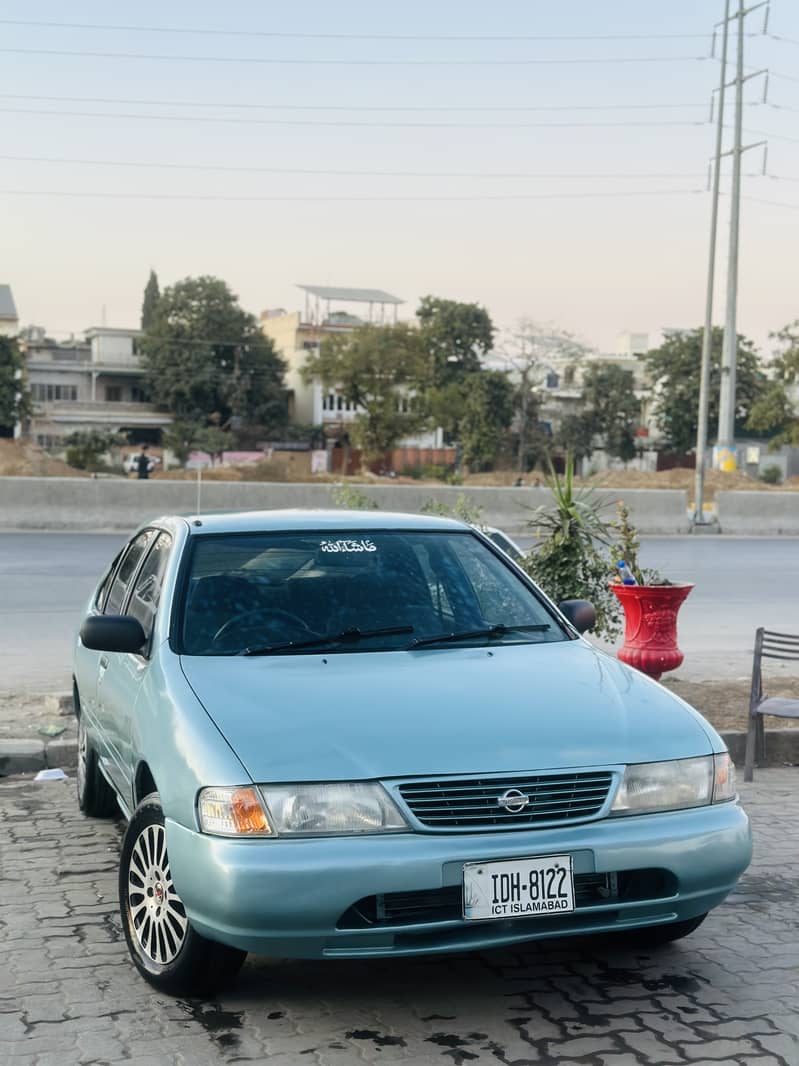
(361, 545)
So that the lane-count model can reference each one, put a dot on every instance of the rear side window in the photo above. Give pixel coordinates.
(127, 568)
(143, 603)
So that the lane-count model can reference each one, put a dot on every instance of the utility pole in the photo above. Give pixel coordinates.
(726, 436)
(725, 458)
(707, 336)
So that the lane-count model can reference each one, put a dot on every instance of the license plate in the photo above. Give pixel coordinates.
(518, 888)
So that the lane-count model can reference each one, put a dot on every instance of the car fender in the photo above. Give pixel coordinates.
(183, 748)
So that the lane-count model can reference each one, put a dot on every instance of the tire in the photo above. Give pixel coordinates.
(657, 936)
(95, 796)
(166, 950)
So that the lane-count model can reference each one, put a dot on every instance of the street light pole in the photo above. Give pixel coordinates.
(707, 336)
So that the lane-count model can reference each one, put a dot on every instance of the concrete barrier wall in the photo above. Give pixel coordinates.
(758, 513)
(116, 504)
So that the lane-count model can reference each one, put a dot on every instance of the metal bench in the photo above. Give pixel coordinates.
(768, 645)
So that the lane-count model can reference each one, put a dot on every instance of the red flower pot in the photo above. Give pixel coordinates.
(650, 626)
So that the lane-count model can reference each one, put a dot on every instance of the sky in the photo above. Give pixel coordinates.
(357, 144)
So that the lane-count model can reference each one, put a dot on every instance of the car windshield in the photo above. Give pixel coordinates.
(294, 593)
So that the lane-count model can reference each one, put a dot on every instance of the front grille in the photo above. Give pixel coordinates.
(433, 905)
(473, 803)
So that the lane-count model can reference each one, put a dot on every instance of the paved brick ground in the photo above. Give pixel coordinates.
(728, 994)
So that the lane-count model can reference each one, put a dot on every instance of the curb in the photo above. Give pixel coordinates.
(29, 756)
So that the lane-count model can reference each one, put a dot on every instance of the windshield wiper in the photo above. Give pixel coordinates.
(346, 636)
(491, 632)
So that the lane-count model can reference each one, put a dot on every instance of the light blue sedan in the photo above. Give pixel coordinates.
(357, 734)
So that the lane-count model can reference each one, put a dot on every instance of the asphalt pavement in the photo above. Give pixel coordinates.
(46, 578)
(728, 994)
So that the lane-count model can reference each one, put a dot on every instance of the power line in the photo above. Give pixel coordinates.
(350, 123)
(319, 36)
(347, 107)
(773, 203)
(504, 175)
(773, 136)
(181, 197)
(282, 61)
(784, 77)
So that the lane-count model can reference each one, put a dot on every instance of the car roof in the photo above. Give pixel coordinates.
(296, 520)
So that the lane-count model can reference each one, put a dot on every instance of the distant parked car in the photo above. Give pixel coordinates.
(350, 734)
(503, 541)
(131, 463)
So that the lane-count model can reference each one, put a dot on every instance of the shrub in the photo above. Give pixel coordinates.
(352, 499)
(462, 509)
(772, 475)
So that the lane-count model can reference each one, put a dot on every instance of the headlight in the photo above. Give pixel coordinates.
(724, 778)
(317, 810)
(232, 812)
(666, 786)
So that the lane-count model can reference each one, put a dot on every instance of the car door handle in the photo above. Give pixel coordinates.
(103, 665)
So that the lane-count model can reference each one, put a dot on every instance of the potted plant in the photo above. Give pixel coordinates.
(572, 559)
(650, 606)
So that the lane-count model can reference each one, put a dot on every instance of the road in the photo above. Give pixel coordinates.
(727, 994)
(46, 578)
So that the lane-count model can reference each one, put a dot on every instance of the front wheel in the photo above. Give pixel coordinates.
(165, 949)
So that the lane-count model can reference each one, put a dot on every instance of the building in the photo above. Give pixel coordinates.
(328, 312)
(91, 383)
(9, 320)
(558, 380)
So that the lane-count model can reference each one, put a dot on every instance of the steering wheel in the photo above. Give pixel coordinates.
(265, 614)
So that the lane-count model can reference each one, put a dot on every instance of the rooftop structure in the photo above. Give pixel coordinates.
(297, 335)
(373, 297)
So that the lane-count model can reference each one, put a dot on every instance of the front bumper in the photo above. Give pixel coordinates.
(286, 897)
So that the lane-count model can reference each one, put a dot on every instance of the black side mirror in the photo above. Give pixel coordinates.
(112, 632)
(580, 613)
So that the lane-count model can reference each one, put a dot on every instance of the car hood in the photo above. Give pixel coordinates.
(373, 715)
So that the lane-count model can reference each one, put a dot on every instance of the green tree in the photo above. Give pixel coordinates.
(208, 362)
(214, 441)
(378, 369)
(575, 436)
(152, 294)
(487, 415)
(773, 414)
(86, 446)
(787, 361)
(611, 409)
(15, 401)
(180, 438)
(456, 336)
(674, 370)
(532, 351)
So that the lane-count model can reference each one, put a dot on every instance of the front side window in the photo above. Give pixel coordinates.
(340, 591)
(127, 568)
(146, 593)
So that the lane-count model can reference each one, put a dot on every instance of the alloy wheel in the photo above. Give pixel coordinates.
(157, 915)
